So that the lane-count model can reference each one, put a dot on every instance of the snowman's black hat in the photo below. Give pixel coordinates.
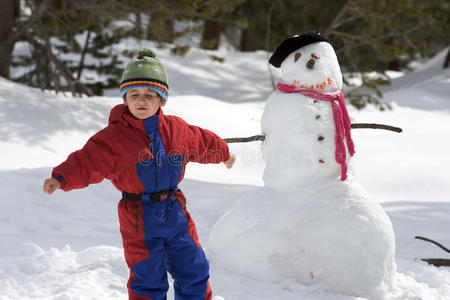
(293, 43)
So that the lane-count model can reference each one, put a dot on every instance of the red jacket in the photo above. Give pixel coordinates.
(140, 155)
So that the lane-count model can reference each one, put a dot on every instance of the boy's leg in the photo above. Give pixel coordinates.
(148, 274)
(186, 260)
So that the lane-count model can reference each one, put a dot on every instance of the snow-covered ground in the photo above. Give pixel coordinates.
(68, 246)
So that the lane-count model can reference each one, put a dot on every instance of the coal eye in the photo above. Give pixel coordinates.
(313, 55)
(297, 56)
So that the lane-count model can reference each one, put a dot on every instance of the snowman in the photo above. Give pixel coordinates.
(312, 222)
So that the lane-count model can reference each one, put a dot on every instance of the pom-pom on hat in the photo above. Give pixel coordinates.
(293, 43)
(145, 70)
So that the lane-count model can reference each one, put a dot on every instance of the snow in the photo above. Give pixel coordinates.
(425, 88)
(68, 246)
(93, 273)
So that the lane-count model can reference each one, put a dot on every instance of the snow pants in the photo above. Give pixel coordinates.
(160, 237)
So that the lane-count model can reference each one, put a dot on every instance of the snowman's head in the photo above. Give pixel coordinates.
(308, 61)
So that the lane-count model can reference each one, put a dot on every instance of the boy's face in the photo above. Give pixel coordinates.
(142, 102)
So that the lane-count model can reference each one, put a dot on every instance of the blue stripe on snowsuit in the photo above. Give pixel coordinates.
(170, 246)
(160, 173)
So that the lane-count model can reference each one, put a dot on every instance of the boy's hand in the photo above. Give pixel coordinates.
(230, 162)
(51, 185)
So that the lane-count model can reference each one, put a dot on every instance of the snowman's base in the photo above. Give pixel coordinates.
(335, 236)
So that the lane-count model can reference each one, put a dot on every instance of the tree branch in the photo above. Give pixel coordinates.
(376, 126)
(345, 34)
(438, 262)
(35, 17)
(349, 19)
(246, 139)
(370, 41)
(431, 241)
(60, 66)
(334, 23)
(261, 137)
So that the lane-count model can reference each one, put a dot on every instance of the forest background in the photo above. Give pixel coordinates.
(69, 40)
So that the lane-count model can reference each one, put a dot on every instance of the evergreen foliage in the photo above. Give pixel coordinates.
(367, 35)
(69, 40)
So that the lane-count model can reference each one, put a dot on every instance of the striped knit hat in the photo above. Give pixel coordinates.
(145, 70)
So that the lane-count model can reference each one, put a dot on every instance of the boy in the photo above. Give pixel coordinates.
(144, 153)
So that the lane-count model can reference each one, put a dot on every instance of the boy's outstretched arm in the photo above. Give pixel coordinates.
(204, 146)
(91, 164)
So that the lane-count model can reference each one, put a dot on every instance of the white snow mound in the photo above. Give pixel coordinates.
(333, 235)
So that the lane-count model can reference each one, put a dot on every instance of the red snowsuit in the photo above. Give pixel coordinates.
(145, 157)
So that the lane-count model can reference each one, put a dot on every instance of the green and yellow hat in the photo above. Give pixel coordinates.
(145, 70)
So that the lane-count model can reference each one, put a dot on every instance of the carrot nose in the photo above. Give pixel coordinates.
(310, 63)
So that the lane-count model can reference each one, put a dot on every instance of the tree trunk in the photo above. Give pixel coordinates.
(245, 45)
(446, 60)
(138, 32)
(8, 13)
(169, 25)
(161, 28)
(83, 54)
(211, 33)
(247, 10)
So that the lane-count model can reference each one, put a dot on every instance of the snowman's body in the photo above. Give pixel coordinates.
(299, 141)
(305, 223)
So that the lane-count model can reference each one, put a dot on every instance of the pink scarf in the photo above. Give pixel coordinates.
(341, 121)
